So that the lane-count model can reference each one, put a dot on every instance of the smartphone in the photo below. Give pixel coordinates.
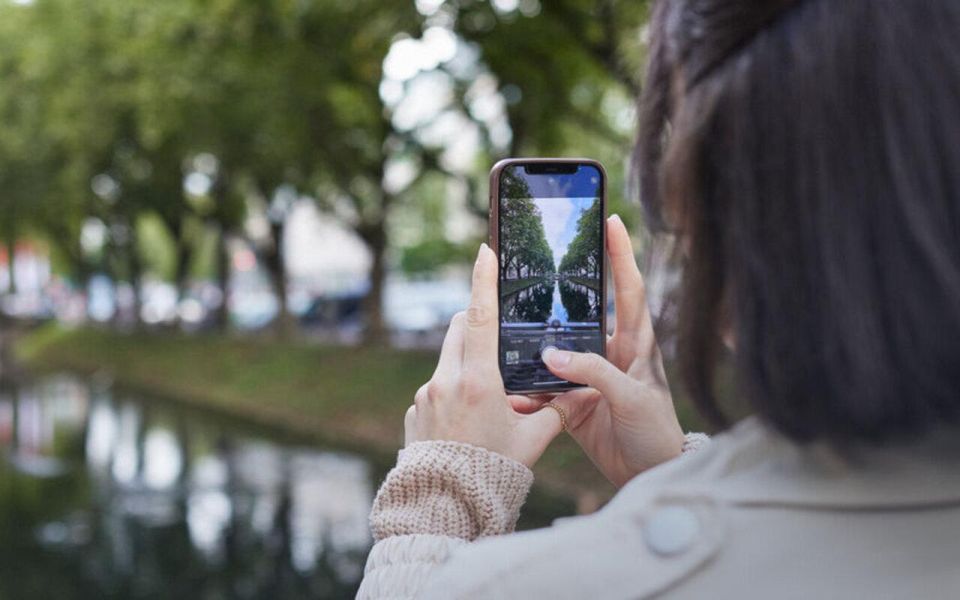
(547, 220)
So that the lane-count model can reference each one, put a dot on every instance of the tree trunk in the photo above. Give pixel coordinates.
(375, 236)
(15, 423)
(113, 265)
(11, 268)
(181, 276)
(222, 317)
(276, 266)
(80, 272)
(136, 279)
(182, 272)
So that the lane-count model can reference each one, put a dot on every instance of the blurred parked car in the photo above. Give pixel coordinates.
(333, 311)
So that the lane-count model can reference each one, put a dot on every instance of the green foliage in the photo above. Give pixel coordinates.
(524, 251)
(570, 71)
(279, 93)
(156, 246)
(432, 254)
(583, 254)
(561, 62)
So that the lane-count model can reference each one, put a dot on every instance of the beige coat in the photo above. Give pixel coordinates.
(749, 516)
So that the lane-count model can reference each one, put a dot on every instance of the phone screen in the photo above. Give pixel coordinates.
(550, 244)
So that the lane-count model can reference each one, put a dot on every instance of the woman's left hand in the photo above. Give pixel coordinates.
(464, 401)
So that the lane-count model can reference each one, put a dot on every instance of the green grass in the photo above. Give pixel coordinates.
(514, 285)
(355, 397)
(294, 385)
(593, 284)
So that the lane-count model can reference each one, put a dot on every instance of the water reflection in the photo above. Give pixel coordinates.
(582, 303)
(104, 496)
(551, 300)
(530, 305)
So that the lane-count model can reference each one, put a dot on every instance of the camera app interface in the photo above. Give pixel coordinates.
(551, 264)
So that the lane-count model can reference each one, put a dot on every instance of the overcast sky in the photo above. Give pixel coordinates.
(560, 221)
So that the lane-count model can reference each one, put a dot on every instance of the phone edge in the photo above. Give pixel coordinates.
(493, 237)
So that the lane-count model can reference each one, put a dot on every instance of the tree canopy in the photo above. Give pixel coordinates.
(524, 249)
(178, 120)
(583, 254)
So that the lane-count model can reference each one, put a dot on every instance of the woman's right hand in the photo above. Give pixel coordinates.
(626, 423)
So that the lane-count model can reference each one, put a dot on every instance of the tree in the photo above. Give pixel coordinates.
(556, 61)
(568, 71)
(582, 258)
(110, 105)
(352, 134)
(288, 98)
(17, 177)
(523, 244)
(53, 141)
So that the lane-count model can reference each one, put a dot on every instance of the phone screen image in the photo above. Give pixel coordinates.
(550, 244)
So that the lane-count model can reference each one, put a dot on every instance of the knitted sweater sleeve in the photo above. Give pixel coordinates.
(439, 496)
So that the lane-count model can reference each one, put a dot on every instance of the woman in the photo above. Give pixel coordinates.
(807, 155)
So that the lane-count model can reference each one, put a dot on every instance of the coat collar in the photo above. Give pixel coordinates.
(754, 465)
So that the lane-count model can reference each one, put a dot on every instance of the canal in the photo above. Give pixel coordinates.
(104, 494)
(562, 299)
(110, 494)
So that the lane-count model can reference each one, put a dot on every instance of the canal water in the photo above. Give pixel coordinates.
(108, 495)
(551, 300)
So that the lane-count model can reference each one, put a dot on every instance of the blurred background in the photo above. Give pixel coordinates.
(233, 234)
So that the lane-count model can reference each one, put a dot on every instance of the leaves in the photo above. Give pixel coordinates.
(283, 93)
(583, 254)
(524, 251)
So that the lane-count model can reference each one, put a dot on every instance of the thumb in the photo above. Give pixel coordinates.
(586, 368)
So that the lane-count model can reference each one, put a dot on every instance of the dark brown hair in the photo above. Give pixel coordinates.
(807, 154)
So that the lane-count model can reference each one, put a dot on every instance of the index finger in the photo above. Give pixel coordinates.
(629, 297)
(451, 353)
(480, 334)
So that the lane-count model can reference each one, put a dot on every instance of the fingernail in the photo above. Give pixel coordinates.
(483, 248)
(555, 358)
(615, 218)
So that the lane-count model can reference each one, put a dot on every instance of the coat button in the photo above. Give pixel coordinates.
(671, 530)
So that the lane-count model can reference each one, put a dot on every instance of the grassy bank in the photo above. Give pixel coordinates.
(511, 286)
(593, 284)
(347, 396)
(353, 397)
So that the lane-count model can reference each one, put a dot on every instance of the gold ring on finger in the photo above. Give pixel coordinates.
(560, 411)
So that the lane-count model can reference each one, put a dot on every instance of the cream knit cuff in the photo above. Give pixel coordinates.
(694, 442)
(451, 489)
